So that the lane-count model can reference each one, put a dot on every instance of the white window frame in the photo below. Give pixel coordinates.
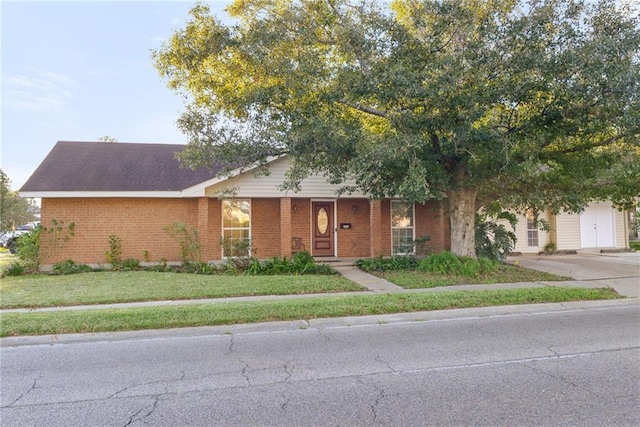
(223, 228)
(412, 226)
(533, 233)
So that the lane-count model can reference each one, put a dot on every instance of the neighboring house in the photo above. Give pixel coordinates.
(599, 226)
(133, 191)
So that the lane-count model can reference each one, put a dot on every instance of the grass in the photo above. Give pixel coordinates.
(6, 258)
(505, 273)
(109, 320)
(116, 287)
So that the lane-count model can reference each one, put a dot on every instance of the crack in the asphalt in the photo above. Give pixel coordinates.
(326, 337)
(515, 361)
(152, 409)
(562, 379)
(33, 387)
(384, 362)
(283, 407)
(167, 380)
(288, 373)
(245, 372)
(376, 403)
(550, 348)
(231, 344)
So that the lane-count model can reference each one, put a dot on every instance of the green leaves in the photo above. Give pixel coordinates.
(531, 103)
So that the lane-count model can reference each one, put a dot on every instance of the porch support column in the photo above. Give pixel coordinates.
(285, 227)
(375, 221)
(203, 228)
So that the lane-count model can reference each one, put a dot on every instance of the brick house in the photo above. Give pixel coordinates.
(134, 191)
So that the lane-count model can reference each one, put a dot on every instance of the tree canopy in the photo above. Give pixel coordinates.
(14, 210)
(485, 103)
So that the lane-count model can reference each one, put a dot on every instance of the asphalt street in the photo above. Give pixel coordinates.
(550, 364)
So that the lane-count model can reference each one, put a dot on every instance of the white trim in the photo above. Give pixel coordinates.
(198, 190)
(101, 194)
(413, 224)
(223, 228)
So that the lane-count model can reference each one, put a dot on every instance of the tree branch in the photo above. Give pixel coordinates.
(585, 147)
(364, 109)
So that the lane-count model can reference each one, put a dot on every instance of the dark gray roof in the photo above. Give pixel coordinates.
(103, 166)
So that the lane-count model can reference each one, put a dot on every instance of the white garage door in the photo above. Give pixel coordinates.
(597, 226)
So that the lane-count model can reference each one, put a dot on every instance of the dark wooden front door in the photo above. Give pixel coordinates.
(323, 229)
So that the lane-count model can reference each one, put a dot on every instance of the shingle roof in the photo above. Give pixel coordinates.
(120, 167)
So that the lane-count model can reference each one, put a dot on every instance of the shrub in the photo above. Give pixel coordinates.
(469, 267)
(130, 264)
(28, 249)
(70, 267)
(448, 263)
(189, 241)
(493, 240)
(301, 263)
(487, 265)
(393, 263)
(114, 254)
(14, 269)
(238, 252)
(441, 263)
(199, 268)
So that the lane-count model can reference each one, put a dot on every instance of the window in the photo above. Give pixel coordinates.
(236, 227)
(402, 229)
(532, 230)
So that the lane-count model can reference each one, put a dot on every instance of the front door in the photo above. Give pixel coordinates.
(323, 229)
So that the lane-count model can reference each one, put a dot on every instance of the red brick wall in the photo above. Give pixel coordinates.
(211, 249)
(385, 232)
(431, 220)
(355, 241)
(138, 222)
(265, 227)
(301, 221)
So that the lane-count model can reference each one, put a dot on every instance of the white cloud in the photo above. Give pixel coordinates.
(37, 91)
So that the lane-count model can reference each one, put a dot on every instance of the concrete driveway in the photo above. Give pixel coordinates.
(620, 271)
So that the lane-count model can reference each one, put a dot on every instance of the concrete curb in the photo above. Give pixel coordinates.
(319, 324)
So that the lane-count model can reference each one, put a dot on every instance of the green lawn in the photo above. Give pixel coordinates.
(114, 287)
(6, 258)
(107, 320)
(415, 279)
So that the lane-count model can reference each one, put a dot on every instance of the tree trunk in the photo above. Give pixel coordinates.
(462, 213)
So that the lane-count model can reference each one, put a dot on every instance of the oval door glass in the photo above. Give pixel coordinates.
(323, 221)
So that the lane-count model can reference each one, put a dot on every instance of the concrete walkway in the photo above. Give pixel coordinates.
(625, 280)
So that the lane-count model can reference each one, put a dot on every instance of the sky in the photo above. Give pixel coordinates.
(81, 70)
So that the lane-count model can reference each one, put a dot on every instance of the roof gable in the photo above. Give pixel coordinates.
(73, 166)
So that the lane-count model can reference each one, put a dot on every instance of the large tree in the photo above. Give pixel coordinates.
(14, 210)
(485, 103)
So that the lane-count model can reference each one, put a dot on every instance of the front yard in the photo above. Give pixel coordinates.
(416, 279)
(108, 287)
(40, 291)
(130, 319)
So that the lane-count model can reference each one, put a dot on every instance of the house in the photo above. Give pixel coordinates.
(599, 226)
(134, 191)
